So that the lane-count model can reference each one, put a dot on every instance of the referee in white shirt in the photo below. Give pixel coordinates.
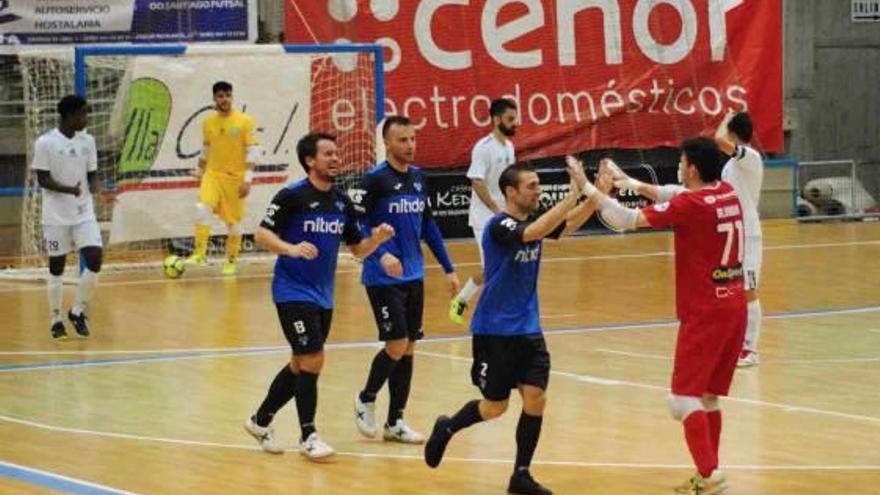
(66, 163)
(490, 156)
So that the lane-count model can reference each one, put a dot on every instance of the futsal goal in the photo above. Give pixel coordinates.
(146, 105)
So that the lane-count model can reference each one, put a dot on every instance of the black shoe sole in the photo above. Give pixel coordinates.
(436, 434)
(530, 490)
(76, 322)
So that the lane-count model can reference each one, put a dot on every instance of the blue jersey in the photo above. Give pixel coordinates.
(400, 200)
(298, 213)
(508, 304)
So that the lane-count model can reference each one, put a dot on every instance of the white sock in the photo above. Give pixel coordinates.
(467, 292)
(84, 289)
(753, 328)
(56, 294)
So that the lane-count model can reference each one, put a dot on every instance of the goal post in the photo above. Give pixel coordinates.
(146, 105)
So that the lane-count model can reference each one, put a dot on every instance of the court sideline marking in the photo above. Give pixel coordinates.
(71, 485)
(211, 352)
(55, 481)
(255, 448)
(562, 259)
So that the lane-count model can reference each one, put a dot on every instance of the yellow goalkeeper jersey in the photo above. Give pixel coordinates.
(226, 139)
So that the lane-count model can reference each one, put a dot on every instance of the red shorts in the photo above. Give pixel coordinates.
(708, 346)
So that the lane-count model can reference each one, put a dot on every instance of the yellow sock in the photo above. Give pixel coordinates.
(203, 232)
(233, 247)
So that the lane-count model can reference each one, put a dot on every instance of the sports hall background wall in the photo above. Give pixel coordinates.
(829, 113)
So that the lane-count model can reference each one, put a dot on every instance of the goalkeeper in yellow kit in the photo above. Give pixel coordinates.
(226, 172)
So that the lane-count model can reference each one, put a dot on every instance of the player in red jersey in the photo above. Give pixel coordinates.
(710, 300)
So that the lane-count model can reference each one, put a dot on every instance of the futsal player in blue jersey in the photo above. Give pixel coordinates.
(304, 225)
(508, 344)
(395, 192)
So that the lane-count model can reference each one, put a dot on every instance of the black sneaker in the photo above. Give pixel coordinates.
(58, 331)
(80, 323)
(522, 483)
(436, 444)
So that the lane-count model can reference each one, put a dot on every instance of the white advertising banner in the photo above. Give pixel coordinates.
(159, 124)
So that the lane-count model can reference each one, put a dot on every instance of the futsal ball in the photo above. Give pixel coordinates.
(173, 266)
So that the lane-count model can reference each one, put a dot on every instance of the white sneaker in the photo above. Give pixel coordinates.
(315, 448)
(697, 485)
(401, 432)
(715, 483)
(365, 417)
(747, 359)
(264, 436)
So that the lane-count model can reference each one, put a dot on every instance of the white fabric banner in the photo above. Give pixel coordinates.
(158, 122)
(62, 16)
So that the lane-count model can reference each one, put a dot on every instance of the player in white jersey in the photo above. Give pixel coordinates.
(66, 163)
(745, 172)
(490, 156)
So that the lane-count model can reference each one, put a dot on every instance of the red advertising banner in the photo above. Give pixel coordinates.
(586, 74)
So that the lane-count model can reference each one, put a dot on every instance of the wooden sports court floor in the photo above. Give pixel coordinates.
(155, 400)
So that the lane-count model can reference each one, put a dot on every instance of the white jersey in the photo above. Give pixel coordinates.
(68, 161)
(745, 172)
(488, 159)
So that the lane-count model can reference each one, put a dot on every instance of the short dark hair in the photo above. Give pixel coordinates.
(741, 125)
(510, 176)
(307, 147)
(221, 86)
(70, 104)
(501, 105)
(704, 154)
(394, 120)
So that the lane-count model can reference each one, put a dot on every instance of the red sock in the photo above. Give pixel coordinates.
(714, 418)
(696, 433)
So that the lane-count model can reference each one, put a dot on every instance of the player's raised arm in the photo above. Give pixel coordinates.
(553, 218)
(585, 207)
(617, 215)
(722, 138)
(621, 180)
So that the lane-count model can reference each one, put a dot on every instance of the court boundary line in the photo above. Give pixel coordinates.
(433, 266)
(585, 464)
(209, 353)
(658, 357)
(597, 380)
(55, 481)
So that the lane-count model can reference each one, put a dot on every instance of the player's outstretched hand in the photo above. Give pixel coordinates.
(608, 166)
(619, 178)
(197, 172)
(391, 265)
(305, 250)
(454, 284)
(575, 169)
(244, 189)
(604, 182)
(382, 232)
(77, 189)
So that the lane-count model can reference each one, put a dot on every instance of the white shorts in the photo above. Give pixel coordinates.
(754, 247)
(59, 240)
(478, 235)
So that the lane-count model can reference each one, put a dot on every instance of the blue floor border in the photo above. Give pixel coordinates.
(54, 481)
